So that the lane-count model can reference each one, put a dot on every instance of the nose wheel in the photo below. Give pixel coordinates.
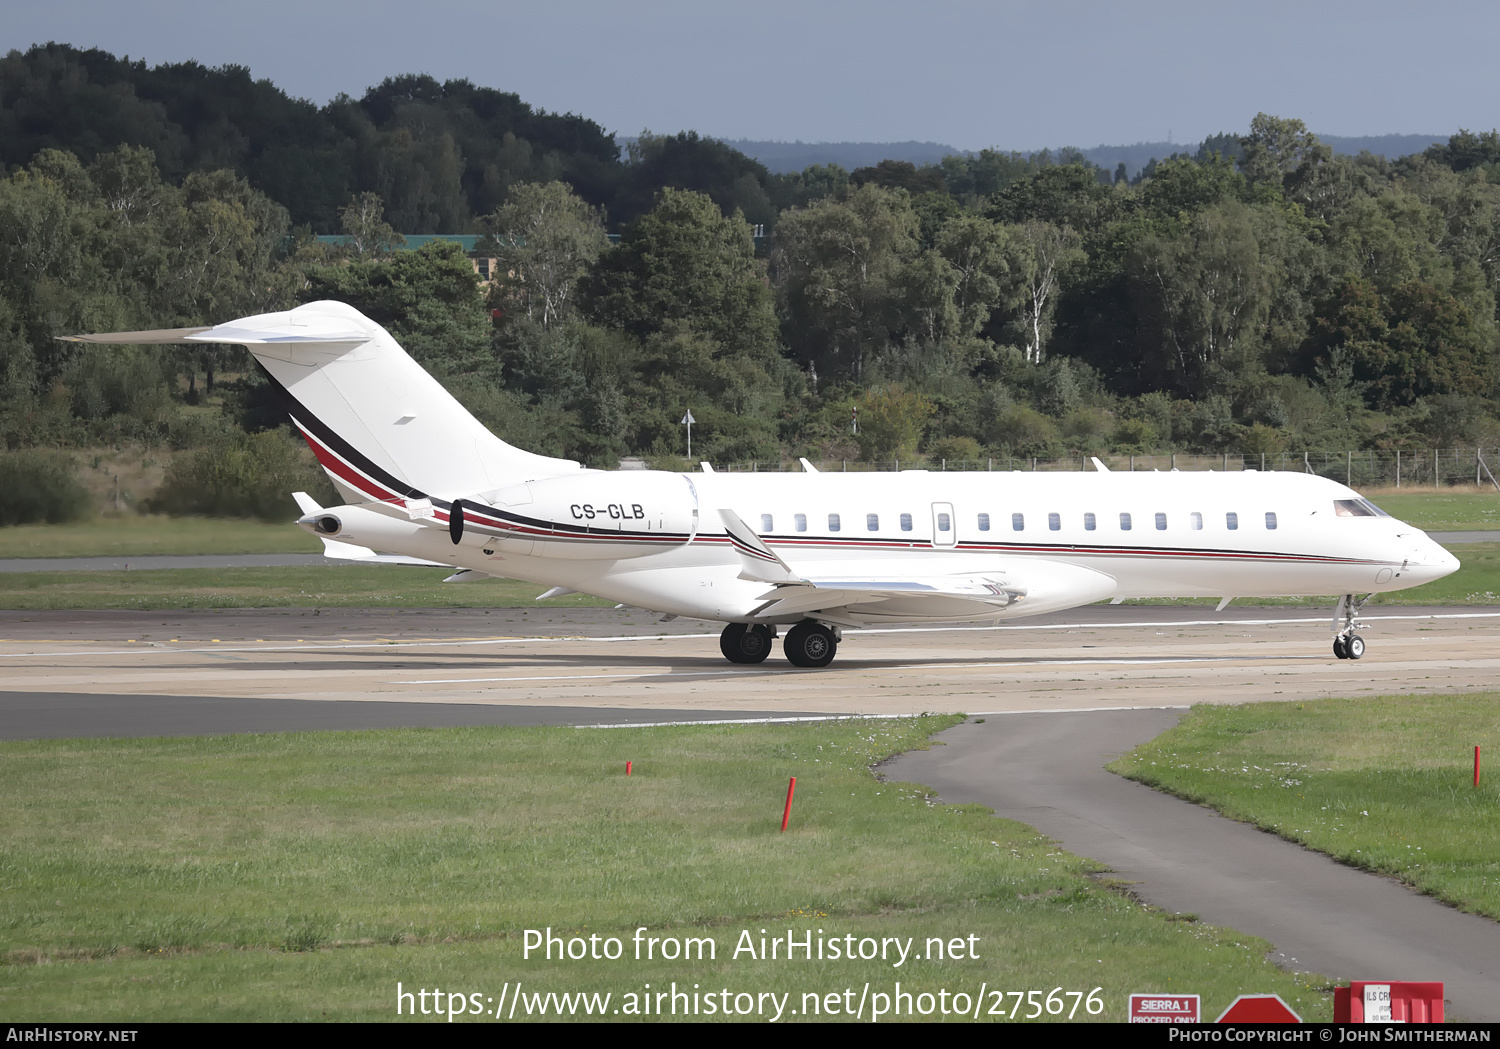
(1347, 644)
(1351, 647)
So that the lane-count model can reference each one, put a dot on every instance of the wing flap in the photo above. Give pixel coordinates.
(1023, 587)
(978, 593)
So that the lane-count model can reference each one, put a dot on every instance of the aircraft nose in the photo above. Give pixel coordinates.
(1431, 561)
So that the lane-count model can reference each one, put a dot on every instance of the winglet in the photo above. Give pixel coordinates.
(1098, 465)
(707, 468)
(760, 563)
(807, 467)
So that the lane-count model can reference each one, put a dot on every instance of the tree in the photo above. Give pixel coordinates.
(838, 271)
(1069, 195)
(545, 239)
(1052, 251)
(685, 161)
(685, 263)
(891, 421)
(428, 299)
(1274, 148)
(1413, 343)
(1204, 295)
(370, 236)
(990, 266)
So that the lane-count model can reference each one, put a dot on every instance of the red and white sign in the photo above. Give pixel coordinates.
(1164, 1009)
(1259, 1009)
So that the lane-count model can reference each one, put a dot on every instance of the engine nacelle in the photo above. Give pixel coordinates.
(362, 526)
(593, 515)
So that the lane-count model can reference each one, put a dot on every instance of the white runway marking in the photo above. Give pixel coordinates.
(166, 648)
(781, 670)
(860, 717)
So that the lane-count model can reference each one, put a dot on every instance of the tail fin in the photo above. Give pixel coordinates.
(381, 426)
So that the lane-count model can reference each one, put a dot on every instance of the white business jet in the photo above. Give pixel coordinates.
(424, 481)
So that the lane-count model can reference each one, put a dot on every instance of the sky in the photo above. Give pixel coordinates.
(1012, 74)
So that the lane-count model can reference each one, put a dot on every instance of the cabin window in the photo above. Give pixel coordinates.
(945, 523)
(1231, 520)
(1124, 522)
(1271, 521)
(1088, 522)
(800, 520)
(984, 522)
(765, 522)
(906, 522)
(1018, 522)
(833, 522)
(1054, 521)
(1161, 522)
(872, 522)
(1353, 508)
(1197, 520)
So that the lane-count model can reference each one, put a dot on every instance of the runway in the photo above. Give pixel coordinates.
(1063, 693)
(593, 666)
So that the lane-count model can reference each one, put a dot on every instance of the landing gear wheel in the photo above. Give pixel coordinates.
(1347, 644)
(810, 644)
(745, 644)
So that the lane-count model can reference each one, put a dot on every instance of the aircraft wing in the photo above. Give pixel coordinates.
(1025, 587)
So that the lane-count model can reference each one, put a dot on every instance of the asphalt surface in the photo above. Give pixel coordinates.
(67, 715)
(1046, 770)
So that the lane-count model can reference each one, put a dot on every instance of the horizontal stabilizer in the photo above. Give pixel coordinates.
(306, 503)
(338, 551)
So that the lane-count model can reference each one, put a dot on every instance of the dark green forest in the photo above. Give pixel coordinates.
(1256, 294)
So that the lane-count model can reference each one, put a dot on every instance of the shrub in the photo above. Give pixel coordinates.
(39, 486)
(246, 475)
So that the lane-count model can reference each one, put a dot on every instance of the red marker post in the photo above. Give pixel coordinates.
(786, 813)
(1476, 764)
(627, 767)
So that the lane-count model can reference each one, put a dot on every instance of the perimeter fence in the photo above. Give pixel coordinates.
(1364, 468)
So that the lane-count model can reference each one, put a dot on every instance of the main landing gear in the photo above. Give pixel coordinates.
(746, 644)
(1347, 644)
(808, 644)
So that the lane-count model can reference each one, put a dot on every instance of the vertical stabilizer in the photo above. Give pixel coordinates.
(381, 426)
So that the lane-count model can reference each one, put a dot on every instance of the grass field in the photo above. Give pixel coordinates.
(1385, 784)
(299, 877)
(1441, 511)
(322, 586)
(134, 535)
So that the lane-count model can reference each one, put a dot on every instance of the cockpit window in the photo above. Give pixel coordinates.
(1355, 508)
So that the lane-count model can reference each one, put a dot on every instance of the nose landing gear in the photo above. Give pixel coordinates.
(1346, 643)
